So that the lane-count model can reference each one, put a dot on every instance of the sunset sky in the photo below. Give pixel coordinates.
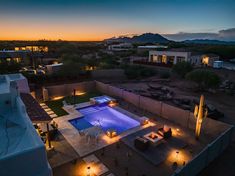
(99, 19)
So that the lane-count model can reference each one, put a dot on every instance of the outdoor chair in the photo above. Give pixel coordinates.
(53, 133)
(141, 143)
(165, 132)
(81, 133)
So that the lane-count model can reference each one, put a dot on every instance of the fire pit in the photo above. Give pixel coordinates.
(154, 138)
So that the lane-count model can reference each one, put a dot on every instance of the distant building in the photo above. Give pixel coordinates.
(53, 68)
(209, 59)
(22, 151)
(173, 57)
(32, 48)
(218, 64)
(120, 47)
(28, 55)
(12, 55)
(168, 57)
(141, 49)
(196, 59)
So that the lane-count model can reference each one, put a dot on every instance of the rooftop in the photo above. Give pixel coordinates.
(22, 83)
(211, 55)
(20, 142)
(17, 133)
(152, 46)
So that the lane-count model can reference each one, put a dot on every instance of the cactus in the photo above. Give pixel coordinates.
(200, 113)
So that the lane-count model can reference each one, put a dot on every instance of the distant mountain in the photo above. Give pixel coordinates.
(157, 38)
(207, 41)
(143, 38)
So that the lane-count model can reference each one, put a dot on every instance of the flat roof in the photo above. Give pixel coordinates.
(54, 65)
(152, 46)
(6, 79)
(17, 133)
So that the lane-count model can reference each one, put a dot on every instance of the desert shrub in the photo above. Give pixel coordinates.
(182, 68)
(9, 67)
(164, 74)
(204, 78)
(133, 72)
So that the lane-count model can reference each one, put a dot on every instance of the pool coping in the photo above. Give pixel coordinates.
(118, 109)
(79, 143)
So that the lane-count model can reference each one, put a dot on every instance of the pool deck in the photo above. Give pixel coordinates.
(118, 154)
(80, 143)
(62, 153)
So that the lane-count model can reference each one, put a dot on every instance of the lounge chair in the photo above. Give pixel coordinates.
(165, 132)
(141, 143)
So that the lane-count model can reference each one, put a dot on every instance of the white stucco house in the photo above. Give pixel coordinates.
(169, 57)
(120, 47)
(22, 152)
(173, 57)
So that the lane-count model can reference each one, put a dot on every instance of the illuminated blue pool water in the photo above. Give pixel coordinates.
(102, 99)
(106, 117)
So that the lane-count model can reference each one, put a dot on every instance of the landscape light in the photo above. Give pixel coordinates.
(112, 104)
(178, 131)
(57, 97)
(176, 156)
(175, 164)
(111, 133)
(88, 170)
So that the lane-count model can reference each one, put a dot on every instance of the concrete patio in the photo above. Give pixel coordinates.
(62, 153)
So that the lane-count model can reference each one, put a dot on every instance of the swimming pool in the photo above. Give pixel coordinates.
(105, 117)
(101, 99)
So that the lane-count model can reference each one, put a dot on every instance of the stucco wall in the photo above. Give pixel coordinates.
(108, 73)
(182, 117)
(151, 105)
(67, 89)
(207, 155)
